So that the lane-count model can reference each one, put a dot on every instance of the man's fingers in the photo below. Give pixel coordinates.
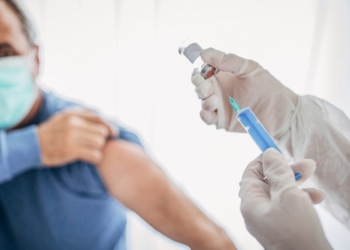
(87, 139)
(74, 134)
(228, 62)
(316, 195)
(112, 131)
(95, 128)
(89, 119)
(91, 116)
(88, 154)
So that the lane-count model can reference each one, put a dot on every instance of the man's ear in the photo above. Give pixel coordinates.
(36, 62)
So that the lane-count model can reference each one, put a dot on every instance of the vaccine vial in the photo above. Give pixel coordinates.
(191, 50)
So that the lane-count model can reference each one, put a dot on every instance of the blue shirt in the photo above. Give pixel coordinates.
(54, 208)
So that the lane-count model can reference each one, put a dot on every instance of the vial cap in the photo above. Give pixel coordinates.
(207, 71)
(190, 51)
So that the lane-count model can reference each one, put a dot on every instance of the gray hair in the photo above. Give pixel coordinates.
(26, 24)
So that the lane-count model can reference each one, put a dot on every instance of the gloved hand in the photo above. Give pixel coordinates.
(303, 126)
(250, 85)
(280, 215)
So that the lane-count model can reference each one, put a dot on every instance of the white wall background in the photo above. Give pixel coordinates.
(121, 56)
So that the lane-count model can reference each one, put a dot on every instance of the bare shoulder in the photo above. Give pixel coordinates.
(124, 167)
(123, 150)
(122, 157)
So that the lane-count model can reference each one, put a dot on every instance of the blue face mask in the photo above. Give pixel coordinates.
(17, 90)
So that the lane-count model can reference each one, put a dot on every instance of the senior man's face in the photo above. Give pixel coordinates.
(19, 67)
(13, 41)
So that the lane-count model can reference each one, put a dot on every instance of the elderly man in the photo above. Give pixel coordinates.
(66, 173)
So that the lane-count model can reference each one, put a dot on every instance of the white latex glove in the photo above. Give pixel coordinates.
(280, 215)
(303, 126)
(250, 85)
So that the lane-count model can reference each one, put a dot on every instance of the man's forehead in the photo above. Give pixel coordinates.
(8, 19)
(10, 27)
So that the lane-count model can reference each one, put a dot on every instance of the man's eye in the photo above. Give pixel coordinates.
(6, 53)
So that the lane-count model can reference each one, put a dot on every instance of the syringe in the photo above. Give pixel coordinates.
(245, 116)
(255, 129)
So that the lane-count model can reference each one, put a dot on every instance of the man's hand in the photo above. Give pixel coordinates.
(73, 135)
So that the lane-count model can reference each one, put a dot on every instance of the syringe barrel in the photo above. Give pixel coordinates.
(256, 130)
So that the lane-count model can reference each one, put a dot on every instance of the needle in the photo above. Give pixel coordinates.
(233, 102)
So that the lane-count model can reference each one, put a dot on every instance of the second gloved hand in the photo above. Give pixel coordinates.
(280, 215)
(250, 85)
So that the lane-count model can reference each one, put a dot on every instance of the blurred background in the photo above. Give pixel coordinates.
(121, 57)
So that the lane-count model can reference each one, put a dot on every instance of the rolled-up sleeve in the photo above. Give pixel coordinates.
(82, 178)
(127, 135)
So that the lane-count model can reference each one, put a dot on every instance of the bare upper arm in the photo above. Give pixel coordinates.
(121, 157)
(127, 171)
